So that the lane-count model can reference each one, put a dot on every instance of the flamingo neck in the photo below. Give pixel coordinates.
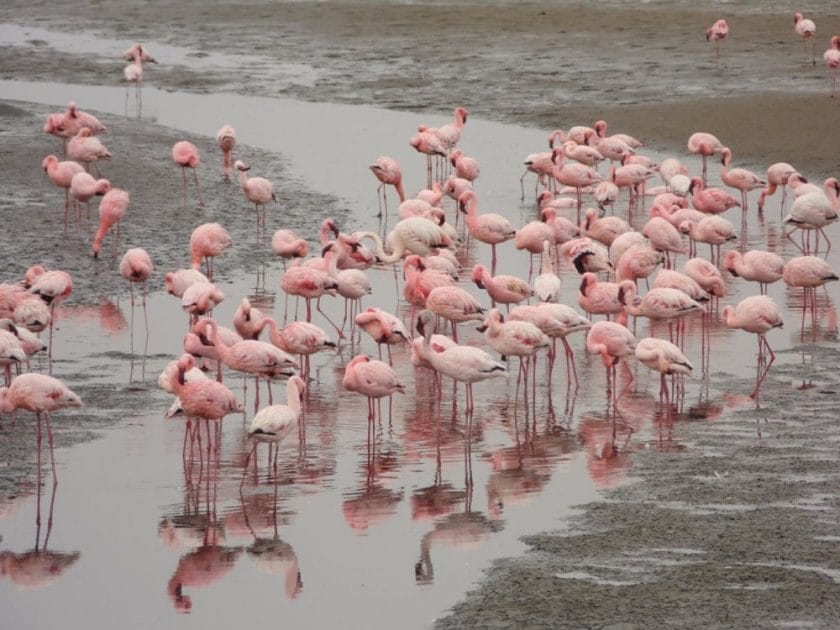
(293, 396)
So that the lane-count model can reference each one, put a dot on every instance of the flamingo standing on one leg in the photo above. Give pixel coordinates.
(831, 59)
(806, 29)
(717, 33)
(185, 155)
(756, 314)
(226, 139)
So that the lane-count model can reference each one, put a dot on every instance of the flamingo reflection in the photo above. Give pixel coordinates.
(37, 568)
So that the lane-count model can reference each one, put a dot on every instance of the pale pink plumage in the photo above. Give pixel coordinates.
(112, 209)
(207, 241)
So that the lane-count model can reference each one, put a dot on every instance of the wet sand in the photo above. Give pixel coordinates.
(731, 519)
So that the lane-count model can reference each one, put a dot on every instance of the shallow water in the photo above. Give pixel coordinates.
(143, 522)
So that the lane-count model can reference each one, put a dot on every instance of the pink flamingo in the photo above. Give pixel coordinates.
(717, 33)
(454, 304)
(710, 200)
(606, 192)
(664, 237)
(387, 171)
(200, 298)
(778, 174)
(185, 155)
(226, 139)
(370, 378)
(384, 328)
(597, 297)
(613, 342)
(286, 244)
(611, 147)
(420, 280)
(112, 209)
(133, 73)
(178, 281)
(659, 304)
(831, 59)
(465, 364)
(639, 261)
(808, 272)
(258, 190)
(576, 175)
(53, 287)
(415, 235)
(556, 321)
(756, 314)
(755, 266)
(541, 165)
(487, 228)
(298, 338)
(249, 356)
(504, 289)
(814, 211)
(84, 148)
(207, 241)
(531, 237)
(587, 255)
(704, 144)
(564, 230)
(83, 188)
(600, 128)
(273, 423)
(632, 176)
(11, 351)
(713, 230)
(308, 283)
(465, 167)
(663, 357)
(431, 195)
(586, 155)
(136, 267)
(30, 343)
(706, 275)
(739, 178)
(604, 229)
(427, 142)
(806, 29)
(61, 174)
(450, 134)
(518, 338)
(672, 279)
(247, 320)
(202, 398)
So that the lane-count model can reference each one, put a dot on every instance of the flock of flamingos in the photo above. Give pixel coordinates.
(623, 272)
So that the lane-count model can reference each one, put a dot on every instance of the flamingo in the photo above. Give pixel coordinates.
(487, 228)
(207, 241)
(504, 289)
(450, 134)
(247, 320)
(136, 267)
(576, 175)
(586, 255)
(200, 298)
(202, 398)
(605, 229)
(85, 148)
(273, 423)
(178, 281)
(531, 237)
(465, 167)
(249, 356)
(185, 155)
(831, 58)
(672, 279)
(61, 174)
(710, 200)
(624, 242)
(755, 266)
(739, 178)
(29, 342)
(664, 237)
(613, 342)
(806, 29)
(308, 283)
(597, 297)
(639, 261)
(83, 188)
(11, 352)
(814, 211)
(706, 275)
(582, 153)
(387, 171)
(53, 287)
(384, 328)
(704, 144)
(757, 314)
(226, 139)
(808, 272)
(298, 338)
(717, 33)
(713, 230)
(547, 285)
(600, 128)
(663, 357)
(258, 190)
(112, 209)
(454, 304)
(286, 244)
(657, 304)
(415, 235)
(133, 73)
(420, 280)
(370, 378)
(466, 364)
(427, 142)
(541, 165)
(778, 174)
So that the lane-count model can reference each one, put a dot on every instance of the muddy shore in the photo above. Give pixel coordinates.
(720, 527)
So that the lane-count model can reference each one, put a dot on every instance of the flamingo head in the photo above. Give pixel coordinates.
(241, 166)
(478, 273)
